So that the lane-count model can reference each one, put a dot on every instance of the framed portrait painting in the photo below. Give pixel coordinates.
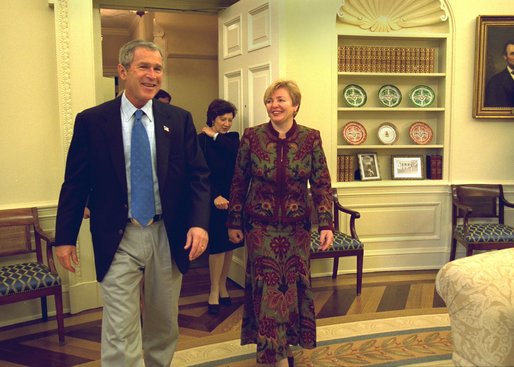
(494, 59)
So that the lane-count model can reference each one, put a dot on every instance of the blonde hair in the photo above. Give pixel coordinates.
(290, 86)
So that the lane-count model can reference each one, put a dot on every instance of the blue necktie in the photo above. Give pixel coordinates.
(141, 180)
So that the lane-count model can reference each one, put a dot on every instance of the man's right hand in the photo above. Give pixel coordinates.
(67, 255)
(87, 213)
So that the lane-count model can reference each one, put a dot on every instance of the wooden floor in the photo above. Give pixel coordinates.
(383, 295)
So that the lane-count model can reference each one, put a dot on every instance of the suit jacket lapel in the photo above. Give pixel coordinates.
(114, 134)
(162, 142)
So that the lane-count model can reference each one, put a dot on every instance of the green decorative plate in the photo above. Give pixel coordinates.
(389, 95)
(354, 95)
(422, 96)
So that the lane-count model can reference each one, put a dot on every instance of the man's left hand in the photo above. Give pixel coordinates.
(196, 240)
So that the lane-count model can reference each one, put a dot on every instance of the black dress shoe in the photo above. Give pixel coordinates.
(225, 301)
(213, 309)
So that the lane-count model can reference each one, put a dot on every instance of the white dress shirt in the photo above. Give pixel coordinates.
(127, 111)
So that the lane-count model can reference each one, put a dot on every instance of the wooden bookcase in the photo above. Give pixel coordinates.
(371, 74)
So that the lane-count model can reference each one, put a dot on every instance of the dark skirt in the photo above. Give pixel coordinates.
(218, 233)
(279, 304)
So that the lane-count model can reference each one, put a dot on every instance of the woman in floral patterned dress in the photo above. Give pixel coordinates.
(269, 209)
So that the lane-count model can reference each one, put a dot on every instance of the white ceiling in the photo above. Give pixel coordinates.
(115, 18)
(123, 13)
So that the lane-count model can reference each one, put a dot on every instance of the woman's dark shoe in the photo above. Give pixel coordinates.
(213, 309)
(225, 301)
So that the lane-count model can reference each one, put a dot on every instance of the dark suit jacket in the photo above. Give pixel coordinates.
(95, 172)
(220, 155)
(500, 90)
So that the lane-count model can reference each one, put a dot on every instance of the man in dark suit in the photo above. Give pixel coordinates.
(128, 249)
(499, 91)
(163, 96)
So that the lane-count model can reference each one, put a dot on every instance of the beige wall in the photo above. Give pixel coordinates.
(308, 60)
(31, 162)
(111, 43)
(192, 70)
(480, 149)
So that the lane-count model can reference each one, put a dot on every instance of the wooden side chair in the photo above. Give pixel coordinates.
(478, 219)
(28, 274)
(344, 244)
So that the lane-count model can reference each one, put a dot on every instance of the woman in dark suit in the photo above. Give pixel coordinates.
(220, 150)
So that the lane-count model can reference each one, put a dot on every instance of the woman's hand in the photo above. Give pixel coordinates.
(235, 235)
(326, 238)
(221, 203)
(209, 131)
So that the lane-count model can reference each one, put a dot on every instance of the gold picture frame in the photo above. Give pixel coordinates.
(493, 33)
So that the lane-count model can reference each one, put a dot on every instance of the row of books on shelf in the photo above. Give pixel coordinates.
(376, 59)
(349, 169)
(346, 168)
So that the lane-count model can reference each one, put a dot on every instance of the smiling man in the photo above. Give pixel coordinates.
(500, 88)
(137, 164)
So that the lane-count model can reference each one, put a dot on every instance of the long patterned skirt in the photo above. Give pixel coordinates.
(279, 305)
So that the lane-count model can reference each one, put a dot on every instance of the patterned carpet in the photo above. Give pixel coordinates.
(401, 341)
(385, 296)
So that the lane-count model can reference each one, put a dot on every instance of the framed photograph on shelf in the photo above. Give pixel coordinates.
(494, 50)
(407, 167)
(368, 166)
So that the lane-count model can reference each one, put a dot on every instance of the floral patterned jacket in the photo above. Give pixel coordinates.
(271, 175)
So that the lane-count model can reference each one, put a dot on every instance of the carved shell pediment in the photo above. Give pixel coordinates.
(392, 15)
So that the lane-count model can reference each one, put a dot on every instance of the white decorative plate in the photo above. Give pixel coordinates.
(354, 95)
(354, 133)
(387, 133)
(420, 133)
(422, 96)
(389, 95)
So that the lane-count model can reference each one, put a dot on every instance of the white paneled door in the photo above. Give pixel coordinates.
(248, 58)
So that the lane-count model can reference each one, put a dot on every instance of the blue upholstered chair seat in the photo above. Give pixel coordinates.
(486, 233)
(26, 277)
(341, 242)
(481, 207)
(344, 245)
(34, 276)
